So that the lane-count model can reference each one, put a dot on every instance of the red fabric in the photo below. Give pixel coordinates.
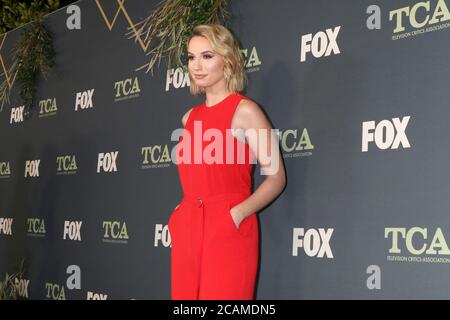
(211, 258)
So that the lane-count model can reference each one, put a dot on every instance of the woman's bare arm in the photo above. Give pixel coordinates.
(265, 147)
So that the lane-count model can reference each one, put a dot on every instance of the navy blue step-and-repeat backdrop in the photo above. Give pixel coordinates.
(359, 91)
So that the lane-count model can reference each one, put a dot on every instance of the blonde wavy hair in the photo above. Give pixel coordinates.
(225, 44)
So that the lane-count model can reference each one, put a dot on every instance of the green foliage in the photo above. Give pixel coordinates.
(34, 53)
(8, 289)
(14, 14)
(171, 23)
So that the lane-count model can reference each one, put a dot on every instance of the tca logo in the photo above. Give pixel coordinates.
(252, 60)
(48, 107)
(290, 140)
(36, 226)
(419, 15)
(157, 154)
(415, 241)
(5, 169)
(115, 230)
(127, 88)
(66, 163)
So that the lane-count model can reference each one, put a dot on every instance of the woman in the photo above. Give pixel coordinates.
(214, 229)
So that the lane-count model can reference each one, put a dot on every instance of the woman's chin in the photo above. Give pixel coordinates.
(201, 84)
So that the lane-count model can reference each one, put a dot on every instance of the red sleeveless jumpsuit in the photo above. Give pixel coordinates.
(211, 258)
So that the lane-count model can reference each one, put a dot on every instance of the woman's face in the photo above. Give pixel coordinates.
(205, 66)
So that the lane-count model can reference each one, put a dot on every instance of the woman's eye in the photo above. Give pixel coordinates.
(206, 56)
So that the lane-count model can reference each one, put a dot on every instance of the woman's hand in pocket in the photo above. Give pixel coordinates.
(237, 218)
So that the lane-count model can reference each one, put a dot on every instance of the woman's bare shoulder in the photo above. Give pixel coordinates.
(247, 109)
(249, 115)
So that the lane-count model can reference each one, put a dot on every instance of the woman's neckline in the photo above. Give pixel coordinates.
(218, 103)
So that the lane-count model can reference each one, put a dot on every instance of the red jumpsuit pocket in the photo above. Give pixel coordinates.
(242, 230)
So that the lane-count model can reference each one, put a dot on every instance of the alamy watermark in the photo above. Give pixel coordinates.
(211, 147)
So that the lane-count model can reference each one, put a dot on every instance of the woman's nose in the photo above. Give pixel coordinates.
(196, 64)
